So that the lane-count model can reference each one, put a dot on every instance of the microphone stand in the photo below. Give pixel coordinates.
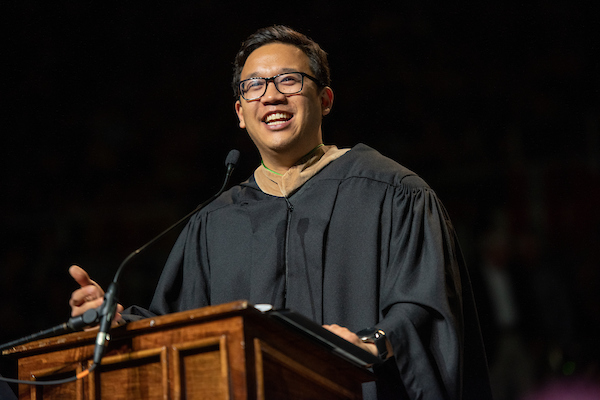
(109, 306)
(105, 313)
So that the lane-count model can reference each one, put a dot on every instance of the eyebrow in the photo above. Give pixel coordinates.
(282, 71)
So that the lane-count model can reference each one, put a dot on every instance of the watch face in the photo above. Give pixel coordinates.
(371, 335)
(377, 337)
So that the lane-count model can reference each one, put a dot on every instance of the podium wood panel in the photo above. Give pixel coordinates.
(230, 351)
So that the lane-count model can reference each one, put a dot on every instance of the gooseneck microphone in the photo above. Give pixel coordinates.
(105, 313)
(109, 306)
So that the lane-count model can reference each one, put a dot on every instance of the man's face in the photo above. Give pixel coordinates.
(283, 127)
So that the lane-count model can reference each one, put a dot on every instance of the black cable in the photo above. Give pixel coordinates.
(73, 378)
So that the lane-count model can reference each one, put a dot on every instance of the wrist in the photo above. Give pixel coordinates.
(377, 341)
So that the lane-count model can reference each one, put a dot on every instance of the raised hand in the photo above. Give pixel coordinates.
(89, 295)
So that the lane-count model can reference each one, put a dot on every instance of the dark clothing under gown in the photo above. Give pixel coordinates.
(365, 242)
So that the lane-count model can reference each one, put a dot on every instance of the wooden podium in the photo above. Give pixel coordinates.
(230, 351)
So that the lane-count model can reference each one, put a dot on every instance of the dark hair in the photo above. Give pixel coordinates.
(282, 34)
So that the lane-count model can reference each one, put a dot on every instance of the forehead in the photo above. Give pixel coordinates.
(275, 58)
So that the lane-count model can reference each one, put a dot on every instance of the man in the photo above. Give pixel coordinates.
(349, 238)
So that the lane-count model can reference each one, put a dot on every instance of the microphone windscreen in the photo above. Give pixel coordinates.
(232, 158)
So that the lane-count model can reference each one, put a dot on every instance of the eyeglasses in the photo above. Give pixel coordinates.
(288, 83)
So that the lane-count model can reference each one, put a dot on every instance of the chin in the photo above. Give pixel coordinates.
(281, 142)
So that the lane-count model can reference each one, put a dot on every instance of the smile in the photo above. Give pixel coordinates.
(277, 118)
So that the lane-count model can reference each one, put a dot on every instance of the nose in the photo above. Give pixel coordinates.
(272, 95)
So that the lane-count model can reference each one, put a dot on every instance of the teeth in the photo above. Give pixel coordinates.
(277, 117)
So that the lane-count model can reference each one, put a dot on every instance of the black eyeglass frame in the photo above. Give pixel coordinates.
(272, 79)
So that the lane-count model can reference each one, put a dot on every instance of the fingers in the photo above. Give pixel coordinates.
(90, 295)
(343, 332)
(80, 276)
(81, 307)
(118, 317)
(85, 294)
(117, 321)
(350, 336)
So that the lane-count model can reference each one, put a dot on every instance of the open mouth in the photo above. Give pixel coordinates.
(277, 118)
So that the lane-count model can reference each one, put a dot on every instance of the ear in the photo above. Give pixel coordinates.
(326, 100)
(240, 114)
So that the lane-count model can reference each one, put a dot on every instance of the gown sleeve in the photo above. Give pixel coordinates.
(183, 281)
(422, 295)
(173, 293)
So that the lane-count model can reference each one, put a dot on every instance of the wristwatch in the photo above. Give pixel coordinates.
(377, 337)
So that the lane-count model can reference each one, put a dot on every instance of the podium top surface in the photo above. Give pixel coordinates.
(286, 319)
(159, 322)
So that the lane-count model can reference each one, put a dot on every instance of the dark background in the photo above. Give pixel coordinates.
(117, 120)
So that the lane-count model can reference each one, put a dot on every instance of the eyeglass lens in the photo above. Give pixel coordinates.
(286, 83)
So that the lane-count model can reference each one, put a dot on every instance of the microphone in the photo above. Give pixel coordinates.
(89, 318)
(109, 306)
(232, 159)
(105, 313)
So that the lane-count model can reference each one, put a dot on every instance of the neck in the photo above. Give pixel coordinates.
(280, 167)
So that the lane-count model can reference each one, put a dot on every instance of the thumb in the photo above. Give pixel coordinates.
(80, 276)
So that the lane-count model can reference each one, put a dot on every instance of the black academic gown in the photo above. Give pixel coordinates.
(363, 243)
(6, 392)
